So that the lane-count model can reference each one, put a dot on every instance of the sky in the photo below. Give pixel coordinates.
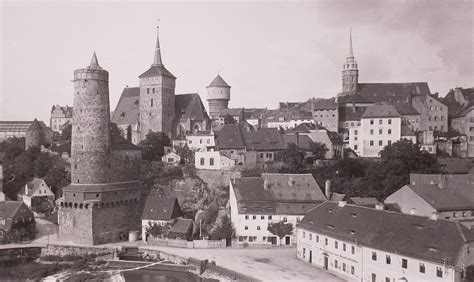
(268, 51)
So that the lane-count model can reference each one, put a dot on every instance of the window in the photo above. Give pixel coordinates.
(374, 277)
(355, 147)
(371, 142)
(380, 131)
(311, 237)
(262, 217)
(269, 217)
(335, 244)
(374, 256)
(387, 279)
(246, 217)
(404, 263)
(355, 132)
(344, 266)
(254, 217)
(389, 142)
(317, 238)
(344, 247)
(422, 267)
(151, 103)
(355, 138)
(285, 219)
(429, 118)
(352, 270)
(246, 228)
(211, 161)
(388, 259)
(371, 132)
(326, 241)
(389, 131)
(352, 124)
(241, 238)
(439, 272)
(335, 263)
(202, 161)
(389, 121)
(298, 219)
(371, 121)
(380, 142)
(380, 121)
(148, 91)
(200, 141)
(258, 227)
(1, 234)
(353, 250)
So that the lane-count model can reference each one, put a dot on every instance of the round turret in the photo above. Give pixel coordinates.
(218, 95)
(34, 135)
(90, 148)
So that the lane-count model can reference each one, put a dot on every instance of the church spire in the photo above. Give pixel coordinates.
(157, 59)
(351, 53)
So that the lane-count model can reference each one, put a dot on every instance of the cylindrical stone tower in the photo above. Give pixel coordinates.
(218, 96)
(90, 148)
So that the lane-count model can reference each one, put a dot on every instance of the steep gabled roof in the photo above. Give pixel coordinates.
(381, 111)
(230, 111)
(354, 98)
(189, 106)
(392, 92)
(304, 127)
(161, 208)
(351, 113)
(264, 139)
(412, 236)
(9, 210)
(33, 185)
(182, 225)
(325, 104)
(230, 137)
(128, 106)
(35, 126)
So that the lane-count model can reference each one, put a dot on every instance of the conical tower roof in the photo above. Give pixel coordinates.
(94, 62)
(218, 82)
(157, 58)
(35, 126)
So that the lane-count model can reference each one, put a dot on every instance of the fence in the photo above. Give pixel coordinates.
(219, 270)
(196, 244)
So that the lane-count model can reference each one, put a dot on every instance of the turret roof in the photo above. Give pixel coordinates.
(219, 82)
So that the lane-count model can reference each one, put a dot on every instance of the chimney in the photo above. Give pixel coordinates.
(26, 189)
(327, 189)
(342, 204)
(413, 211)
(380, 207)
(434, 216)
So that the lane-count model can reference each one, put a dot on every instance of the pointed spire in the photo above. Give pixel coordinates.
(351, 53)
(94, 62)
(157, 59)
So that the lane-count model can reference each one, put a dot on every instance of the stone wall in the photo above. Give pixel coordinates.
(65, 250)
(217, 178)
(99, 225)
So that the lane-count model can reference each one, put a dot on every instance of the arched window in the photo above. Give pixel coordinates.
(196, 128)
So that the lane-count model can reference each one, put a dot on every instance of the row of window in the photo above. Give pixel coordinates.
(211, 161)
(389, 121)
(436, 128)
(326, 242)
(333, 115)
(372, 142)
(436, 108)
(201, 141)
(436, 118)
(421, 265)
(389, 131)
(254, 217)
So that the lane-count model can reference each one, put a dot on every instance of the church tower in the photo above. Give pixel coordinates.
(157, 100)
(350, 72)
(218, 95)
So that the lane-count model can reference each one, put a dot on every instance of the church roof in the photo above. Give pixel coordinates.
(157, 70)
(218, 82)
(128, 106)
(392, 92)
(118, 142)
(189, 106)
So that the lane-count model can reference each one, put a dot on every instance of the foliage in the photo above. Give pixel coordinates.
(280, 229)
(189, 170)
(157, 230)
(153, 146)
(293, 156)
(225, 230)
(228, 119)
(66, 133)
(318, 149)
(41, 204)
(21, 166)
(186, 154)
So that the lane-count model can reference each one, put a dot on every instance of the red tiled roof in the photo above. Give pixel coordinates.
(418, 237)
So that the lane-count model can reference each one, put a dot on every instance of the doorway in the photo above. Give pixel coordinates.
(326, 262)
(287, 240)
(310, 256)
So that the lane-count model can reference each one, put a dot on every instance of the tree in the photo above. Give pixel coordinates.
(293, 157)
(228, 119)
(280, 229)
(225, 230)
(318, 149)
(156, 230)
(186, 154)
(153, 146)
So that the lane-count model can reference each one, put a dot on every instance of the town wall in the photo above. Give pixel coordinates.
(67, 250)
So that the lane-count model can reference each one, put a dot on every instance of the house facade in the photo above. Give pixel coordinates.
(397, 247)
(159, 210)
(255, 202)
(59, 116)
(200, 141)
(213, 160)
(37, 188)
(17, 222)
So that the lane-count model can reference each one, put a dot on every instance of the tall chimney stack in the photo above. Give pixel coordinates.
(327, 189)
